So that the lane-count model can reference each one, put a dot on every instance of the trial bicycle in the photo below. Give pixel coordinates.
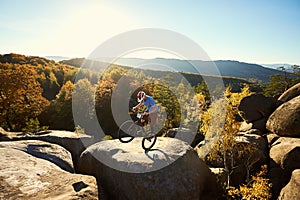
(131, 129)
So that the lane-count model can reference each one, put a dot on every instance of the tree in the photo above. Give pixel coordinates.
(59, 115)
(83, 104)
(287, 81)
(276, 86)
(202, 88)
(222, 135)
(296, 73)
(103, 95)
(20, 96)
(279, 83)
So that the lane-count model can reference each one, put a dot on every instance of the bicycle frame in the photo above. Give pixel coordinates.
(147, 142)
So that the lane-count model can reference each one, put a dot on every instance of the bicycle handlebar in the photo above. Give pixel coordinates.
(131, 112)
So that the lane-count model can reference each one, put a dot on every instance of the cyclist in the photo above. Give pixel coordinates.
(151, 108)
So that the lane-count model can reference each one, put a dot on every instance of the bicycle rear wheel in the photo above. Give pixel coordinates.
(128, 127)
(148, 143)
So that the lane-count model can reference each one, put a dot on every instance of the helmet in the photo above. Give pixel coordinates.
(140, 96)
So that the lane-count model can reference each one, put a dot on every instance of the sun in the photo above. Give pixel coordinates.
(88, 26)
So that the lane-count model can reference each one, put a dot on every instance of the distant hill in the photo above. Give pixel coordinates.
(158, 72)
(276, 66)
(57, 58)
(230, 68)
(22, 59)
(86, 63)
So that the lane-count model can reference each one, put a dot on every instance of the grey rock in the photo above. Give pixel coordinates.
(292, 189)
(43, 150)
(290, 93)
(284, 158)
(285, 120)
(172, 170)
(256, 107)
(24, 176)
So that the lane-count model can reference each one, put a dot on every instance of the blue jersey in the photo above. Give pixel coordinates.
(149, 102)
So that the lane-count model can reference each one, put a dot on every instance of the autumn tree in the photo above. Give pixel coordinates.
(220, 128)
(20, 96)
(103, 96)
(83, 104)
(58, 114)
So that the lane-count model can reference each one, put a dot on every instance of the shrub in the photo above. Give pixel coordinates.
(258, 188)
(79, 130)
(33, 126)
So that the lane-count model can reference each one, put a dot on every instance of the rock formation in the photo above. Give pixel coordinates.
(35, 170)
(285, 120)
(281, 125)
(172, 170)
(290, 93)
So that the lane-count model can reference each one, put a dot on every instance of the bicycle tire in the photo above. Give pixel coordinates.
(147, 146)
(123, 136)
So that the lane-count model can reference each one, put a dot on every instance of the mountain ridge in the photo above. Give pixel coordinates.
(225, 68)
(232, 68)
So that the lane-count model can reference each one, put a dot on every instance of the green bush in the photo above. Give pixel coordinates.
(33, 126)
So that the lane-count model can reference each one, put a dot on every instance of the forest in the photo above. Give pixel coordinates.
(36, 93)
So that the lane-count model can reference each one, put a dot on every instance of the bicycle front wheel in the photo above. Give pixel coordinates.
(125, 130)
(148, 143)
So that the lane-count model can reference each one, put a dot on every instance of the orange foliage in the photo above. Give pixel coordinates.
(20, 95)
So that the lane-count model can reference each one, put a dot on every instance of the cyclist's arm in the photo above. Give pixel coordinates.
(137, 106)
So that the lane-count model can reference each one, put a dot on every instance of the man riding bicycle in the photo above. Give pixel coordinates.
(151, 108)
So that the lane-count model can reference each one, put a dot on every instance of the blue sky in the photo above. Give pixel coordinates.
(257, 31)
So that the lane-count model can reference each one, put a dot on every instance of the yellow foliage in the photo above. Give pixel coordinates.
(224, 118)
(220, 128)
(20, 95)
(258, 188)
(199, 98)
(65, 93)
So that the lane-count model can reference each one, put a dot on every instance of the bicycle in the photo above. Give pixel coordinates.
(130, 129)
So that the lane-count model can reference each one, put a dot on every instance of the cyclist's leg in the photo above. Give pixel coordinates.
(152, 121)
(145, 120)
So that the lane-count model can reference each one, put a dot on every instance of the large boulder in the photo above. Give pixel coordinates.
(284, 158)
(256, 107)
(292, 189)
(290, 93)
(73, 142)
(44, 150)
(285, 120)
(171, 170)
(285, 153)
(23, 176)
(185, 135)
